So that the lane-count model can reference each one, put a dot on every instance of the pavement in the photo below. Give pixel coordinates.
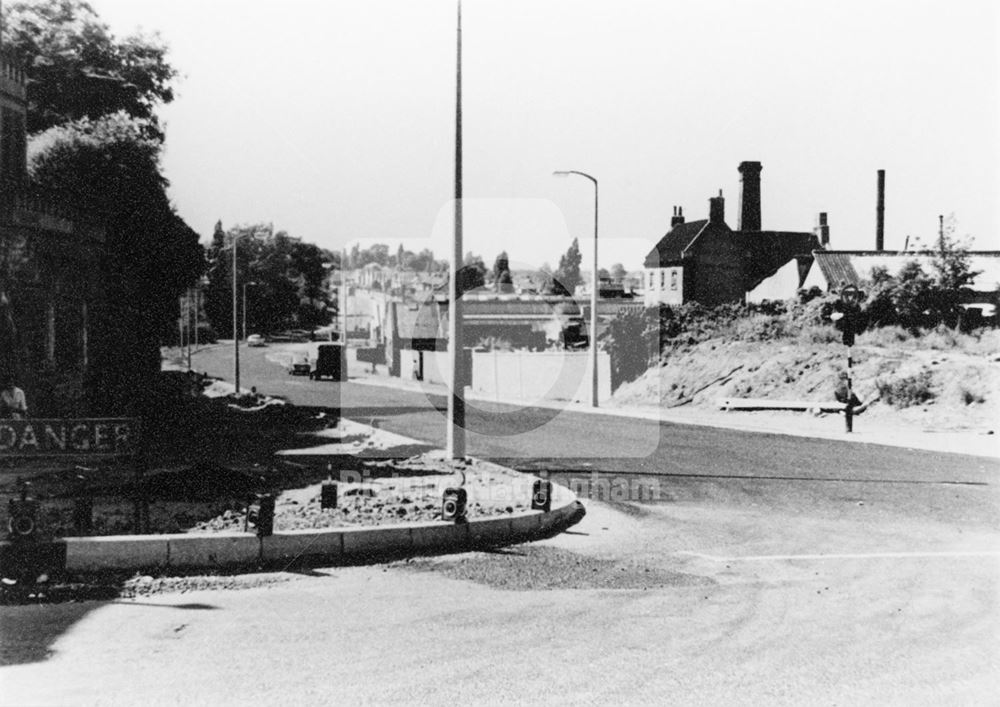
(867, 430)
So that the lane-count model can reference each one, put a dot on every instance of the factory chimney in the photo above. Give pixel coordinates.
(750, 196)
(880, 213)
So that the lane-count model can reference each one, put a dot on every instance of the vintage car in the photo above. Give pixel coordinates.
(300, 367)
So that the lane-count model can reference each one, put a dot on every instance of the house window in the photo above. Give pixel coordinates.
(663, 279)
(650, 279)
(673, 279)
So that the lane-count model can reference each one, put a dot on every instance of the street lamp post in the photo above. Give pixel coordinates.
(593, 291)
(236, 333)
(245, 284)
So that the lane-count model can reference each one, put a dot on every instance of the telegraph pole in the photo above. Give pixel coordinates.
(456, 361)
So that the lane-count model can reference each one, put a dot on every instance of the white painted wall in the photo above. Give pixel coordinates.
(783, 285)
(663, 286)
(534, 376)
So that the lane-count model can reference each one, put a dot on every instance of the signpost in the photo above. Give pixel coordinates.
(850, 297)
(68, 438)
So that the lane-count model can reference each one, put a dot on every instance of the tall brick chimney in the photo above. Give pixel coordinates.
(717, 209)
(880, 213)
(822, 229)
(750, 196)
(678, 218)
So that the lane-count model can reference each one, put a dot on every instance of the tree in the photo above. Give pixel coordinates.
(567, 277)
(77, 69)
(502, 281)
(285, 280)
(618, 273)
(472, 274)
(110, 167)
(953, 272)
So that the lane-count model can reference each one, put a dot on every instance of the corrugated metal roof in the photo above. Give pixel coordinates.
(836, 268)
(855, 267)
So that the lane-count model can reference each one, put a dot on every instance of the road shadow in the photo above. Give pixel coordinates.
(35, 617)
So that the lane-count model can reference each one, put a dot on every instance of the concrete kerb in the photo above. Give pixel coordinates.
(234, 550)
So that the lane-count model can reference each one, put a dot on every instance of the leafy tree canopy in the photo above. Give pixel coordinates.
(567, 277)
(109, 168)
(284, 278)
(77, 69)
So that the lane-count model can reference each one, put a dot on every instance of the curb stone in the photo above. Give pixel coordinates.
(233, 550)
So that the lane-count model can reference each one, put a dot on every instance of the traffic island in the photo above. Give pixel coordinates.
(382, 506)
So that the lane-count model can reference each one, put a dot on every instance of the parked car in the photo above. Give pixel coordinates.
(256, 340)
(301, 367)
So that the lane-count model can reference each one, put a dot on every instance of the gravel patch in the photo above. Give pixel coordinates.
(534, 567)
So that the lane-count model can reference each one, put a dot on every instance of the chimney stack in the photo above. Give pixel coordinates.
(717, 209)
(880, 213)
(822, 229)
(678, 218)
(750, 196)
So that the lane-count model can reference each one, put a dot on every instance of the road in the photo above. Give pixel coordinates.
(723, 567)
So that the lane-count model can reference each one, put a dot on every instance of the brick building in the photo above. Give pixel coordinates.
(50, 287)
(706, 261)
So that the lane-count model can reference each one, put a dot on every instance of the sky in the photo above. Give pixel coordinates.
(335, 120)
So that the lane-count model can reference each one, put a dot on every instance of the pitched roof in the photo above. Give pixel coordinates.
(768, 251)
(671, 247)
(837, 268)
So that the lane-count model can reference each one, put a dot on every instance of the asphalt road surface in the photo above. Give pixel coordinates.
(714, 566)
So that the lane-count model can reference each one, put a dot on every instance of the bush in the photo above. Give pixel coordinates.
(908, 391)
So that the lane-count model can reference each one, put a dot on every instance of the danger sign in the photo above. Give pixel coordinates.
(42, 437)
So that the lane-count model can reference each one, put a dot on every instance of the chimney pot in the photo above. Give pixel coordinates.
(822, 229)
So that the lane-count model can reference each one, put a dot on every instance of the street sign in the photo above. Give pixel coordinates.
(69, 437)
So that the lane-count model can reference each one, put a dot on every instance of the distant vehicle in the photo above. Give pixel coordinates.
(256, 340)
(328, 361)
(300, 368)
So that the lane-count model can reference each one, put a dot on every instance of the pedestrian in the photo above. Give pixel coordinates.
(843, 394)
(13, 404)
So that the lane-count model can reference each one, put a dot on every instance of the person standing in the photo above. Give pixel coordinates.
(13, 404)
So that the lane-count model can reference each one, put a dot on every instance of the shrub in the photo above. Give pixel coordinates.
(907, 391)
(968, 397)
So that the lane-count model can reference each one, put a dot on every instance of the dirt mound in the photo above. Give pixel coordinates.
(953, 386)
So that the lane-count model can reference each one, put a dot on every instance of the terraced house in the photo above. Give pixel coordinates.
(706, 261)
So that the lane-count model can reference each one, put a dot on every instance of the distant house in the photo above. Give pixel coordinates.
(707, 262)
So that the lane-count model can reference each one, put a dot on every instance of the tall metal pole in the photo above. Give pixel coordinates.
(197, 312)
(593, 291)
(187, 321)
(343, 299)
(236, 333)
(593, 313)
(456, 403)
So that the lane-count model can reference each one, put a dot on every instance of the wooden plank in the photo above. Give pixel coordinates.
(761, 404)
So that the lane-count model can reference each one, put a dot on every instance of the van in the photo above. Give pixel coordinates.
(328, 361)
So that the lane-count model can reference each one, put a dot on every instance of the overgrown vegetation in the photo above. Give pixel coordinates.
(906, 391)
